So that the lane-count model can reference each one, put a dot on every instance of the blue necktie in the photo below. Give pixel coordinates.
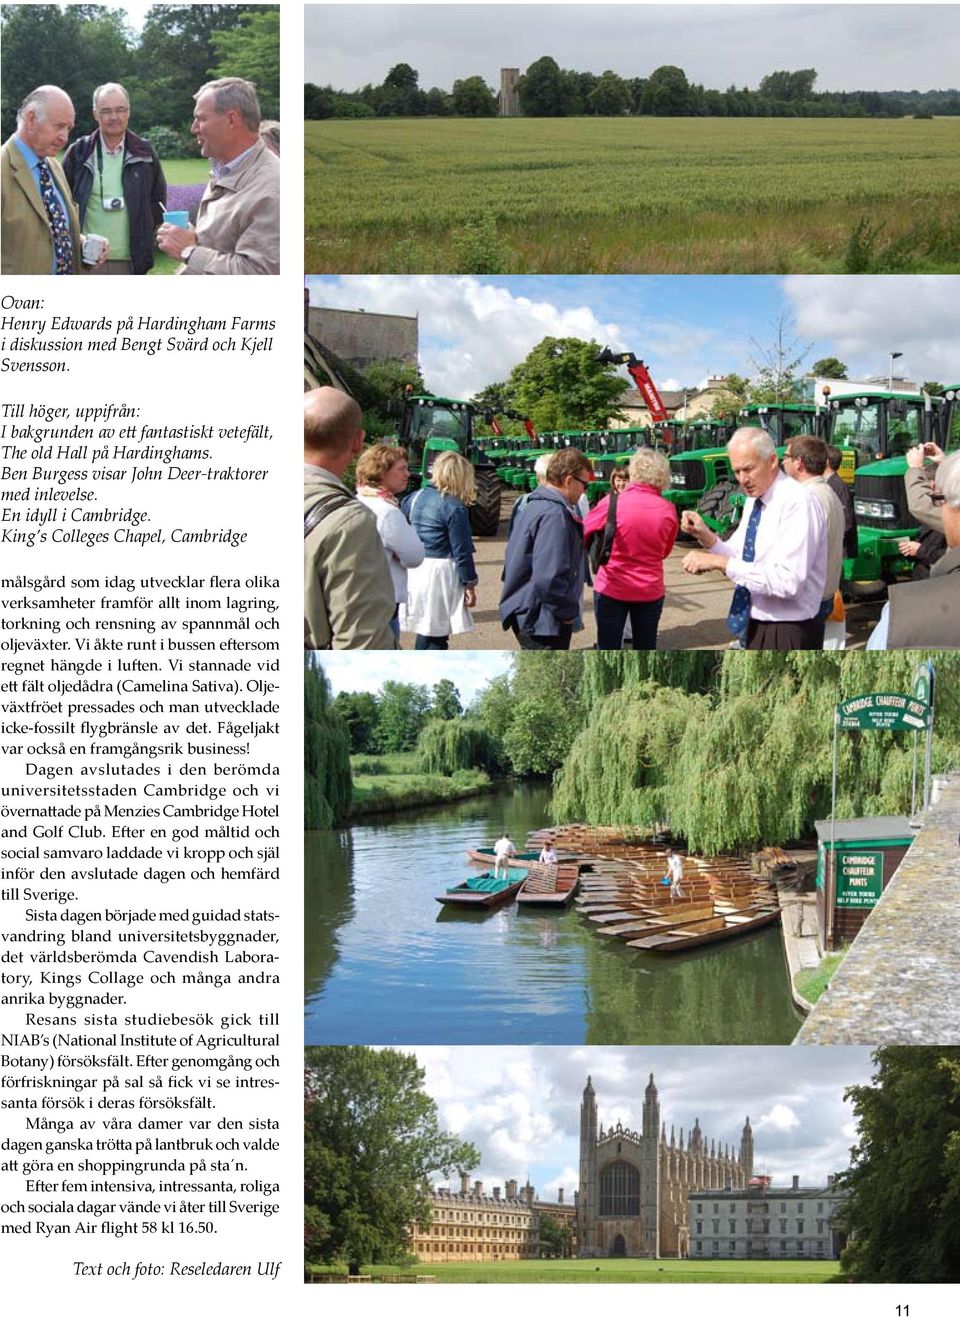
(59, 224)
(739, 614)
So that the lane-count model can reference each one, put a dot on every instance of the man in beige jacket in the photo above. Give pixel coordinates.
(238, 224)
(348, 596)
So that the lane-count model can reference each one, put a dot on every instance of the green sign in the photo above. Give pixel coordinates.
(859, 879)
(883, 713)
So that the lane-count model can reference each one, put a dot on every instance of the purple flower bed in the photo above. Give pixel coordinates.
(185, 196)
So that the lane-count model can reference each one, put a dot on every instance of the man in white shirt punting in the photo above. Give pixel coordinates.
(777, 556)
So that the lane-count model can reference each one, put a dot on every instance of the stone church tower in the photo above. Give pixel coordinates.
(633, 1192)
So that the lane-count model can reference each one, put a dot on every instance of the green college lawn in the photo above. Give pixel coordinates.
(620, 1271)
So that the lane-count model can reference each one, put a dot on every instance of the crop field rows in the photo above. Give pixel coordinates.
(632, 195)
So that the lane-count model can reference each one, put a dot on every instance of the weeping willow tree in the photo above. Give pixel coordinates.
(327, 784)
(448, 745)
(605, 671)
(750, 762)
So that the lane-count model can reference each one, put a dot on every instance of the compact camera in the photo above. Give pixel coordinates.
(113, 203)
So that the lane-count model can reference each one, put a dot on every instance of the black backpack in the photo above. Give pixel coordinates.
(601, 545)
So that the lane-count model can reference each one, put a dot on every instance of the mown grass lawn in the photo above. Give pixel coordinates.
(748, 196)
(385, 783)
(620, 1271)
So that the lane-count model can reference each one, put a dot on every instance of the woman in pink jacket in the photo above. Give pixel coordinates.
(630, 583)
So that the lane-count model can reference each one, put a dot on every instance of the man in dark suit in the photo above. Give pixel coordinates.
(39, 226)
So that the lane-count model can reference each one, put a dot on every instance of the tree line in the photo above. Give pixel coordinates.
(80, 47)
(693, 739)
(546, 90)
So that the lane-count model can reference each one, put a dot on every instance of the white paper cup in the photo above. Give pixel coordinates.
(93, 248)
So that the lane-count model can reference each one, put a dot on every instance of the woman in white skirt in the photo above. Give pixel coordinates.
(382, 475)
(442, 590)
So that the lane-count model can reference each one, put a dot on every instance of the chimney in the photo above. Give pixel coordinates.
(511, 1188)
(464, 1182)
(496, 1194)
(830, 1181)
(560, 1194)
(796, 1182)
(478, 1188)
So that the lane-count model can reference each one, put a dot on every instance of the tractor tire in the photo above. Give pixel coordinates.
(485, 513)
(717, 503)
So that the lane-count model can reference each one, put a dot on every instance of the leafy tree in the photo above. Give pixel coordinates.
(437, 102)
(933, 387)
(402, 712)
(610, 96)
(252, 50)
(474, 99)
(358, 710)
(556, 1240)
(783, 86)
(448, 747)
(667, 92)
(648, 740)
(831, 368)
(372, 1139)
(76, 47)
(326, 754)
(904, 1181)
(543, 90)
(175, 57)
(402, 78)
(539, 736)
(446, 700)
(390, 379)
(494, 706)
(561, 385)
(735, 394)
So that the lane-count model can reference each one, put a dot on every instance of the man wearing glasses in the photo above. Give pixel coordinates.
(543, 572)
(117, 183)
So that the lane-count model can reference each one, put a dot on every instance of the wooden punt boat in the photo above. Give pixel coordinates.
(483, 892)
(567, 866)
(698, 934)
(547, 889)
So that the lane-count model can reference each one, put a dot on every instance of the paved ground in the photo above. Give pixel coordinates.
(693, 616)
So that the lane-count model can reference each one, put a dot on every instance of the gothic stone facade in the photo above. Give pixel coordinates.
(473, 1226)
(634, 1188)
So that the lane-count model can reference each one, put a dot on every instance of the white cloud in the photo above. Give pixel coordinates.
(781, 1118)
(868, 316)
(472, 333)
(470, 672)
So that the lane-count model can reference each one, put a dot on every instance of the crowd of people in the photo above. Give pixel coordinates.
(412, 570)
(104, 209)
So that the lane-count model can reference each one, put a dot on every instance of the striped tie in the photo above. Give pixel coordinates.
(59, 224)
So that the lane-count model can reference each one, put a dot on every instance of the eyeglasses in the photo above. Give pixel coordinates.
(936, 499)
(579, 479)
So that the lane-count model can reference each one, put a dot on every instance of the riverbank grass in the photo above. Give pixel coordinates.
(813, 983)
(387, 783)
(620, 1271)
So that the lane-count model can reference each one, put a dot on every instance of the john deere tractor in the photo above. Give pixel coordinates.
(880, 425)
(430, 425)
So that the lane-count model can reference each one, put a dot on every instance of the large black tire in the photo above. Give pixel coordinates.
(485, 513)
(717, 503)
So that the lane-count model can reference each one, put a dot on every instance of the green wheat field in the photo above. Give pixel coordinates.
(746, 196)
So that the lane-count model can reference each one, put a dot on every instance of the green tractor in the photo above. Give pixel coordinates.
(430, 425)
(700, 473)
(880, 425)
(610, 449)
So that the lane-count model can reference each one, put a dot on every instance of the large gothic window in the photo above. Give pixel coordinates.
(619, 1190)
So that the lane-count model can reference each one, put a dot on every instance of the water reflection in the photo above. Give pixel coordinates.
(386, 964)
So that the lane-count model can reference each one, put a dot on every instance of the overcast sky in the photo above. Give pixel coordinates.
(475, 329)
(852, 46)
(520, 1106)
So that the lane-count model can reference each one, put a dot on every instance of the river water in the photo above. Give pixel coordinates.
(385, 963)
